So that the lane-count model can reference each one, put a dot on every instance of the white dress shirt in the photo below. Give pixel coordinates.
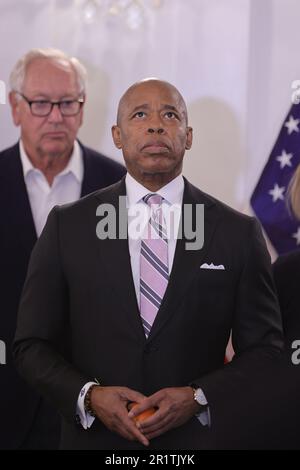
(66, 186)
(172, 194)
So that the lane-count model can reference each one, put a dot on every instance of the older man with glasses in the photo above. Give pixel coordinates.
(48, 166)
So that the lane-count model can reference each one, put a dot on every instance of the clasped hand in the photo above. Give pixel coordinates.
(174, 406)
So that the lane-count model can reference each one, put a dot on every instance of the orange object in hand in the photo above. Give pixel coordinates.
(142, 416)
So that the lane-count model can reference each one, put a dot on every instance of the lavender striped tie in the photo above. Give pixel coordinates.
(154, 272)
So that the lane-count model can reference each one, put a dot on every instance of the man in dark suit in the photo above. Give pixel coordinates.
(47, 167)
(148, 317)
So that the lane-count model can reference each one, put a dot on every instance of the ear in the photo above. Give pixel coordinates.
(116, 135)
(15, 107)
(189, 138)
(82, 112)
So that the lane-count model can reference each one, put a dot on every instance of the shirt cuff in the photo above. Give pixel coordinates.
(85, 419)
(204, 416)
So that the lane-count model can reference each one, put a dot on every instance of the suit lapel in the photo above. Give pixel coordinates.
(18, 202)
(115, 256)
(186, 263)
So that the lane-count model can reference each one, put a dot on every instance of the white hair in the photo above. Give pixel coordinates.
(18, 74)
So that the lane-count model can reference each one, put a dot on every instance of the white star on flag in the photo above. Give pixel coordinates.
(277, 192)
(284, 159)
(297, 236)
(292, 125)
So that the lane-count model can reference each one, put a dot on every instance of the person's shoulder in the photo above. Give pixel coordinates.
(102, 162)
(226, 212)
(286, 274)
(91, 200)
(8, 153)
(10, 163)
(289, 262)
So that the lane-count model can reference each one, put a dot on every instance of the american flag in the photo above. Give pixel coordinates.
(269, 199)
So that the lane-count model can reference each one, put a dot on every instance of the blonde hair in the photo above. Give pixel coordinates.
(294, 193)
(18, 74)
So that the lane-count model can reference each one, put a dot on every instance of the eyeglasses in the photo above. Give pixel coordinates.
(43, 108)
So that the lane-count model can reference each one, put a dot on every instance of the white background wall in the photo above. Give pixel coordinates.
(233, 60)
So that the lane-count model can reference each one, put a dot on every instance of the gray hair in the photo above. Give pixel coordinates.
(294, 193)
(18, 74)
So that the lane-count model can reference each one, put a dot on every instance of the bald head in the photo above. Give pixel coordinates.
(153, 85)
(152, 132)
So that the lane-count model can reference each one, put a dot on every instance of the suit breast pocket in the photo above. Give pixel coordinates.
(216, 278)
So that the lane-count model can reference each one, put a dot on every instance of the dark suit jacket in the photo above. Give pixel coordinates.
(286, 275)
(18, 403)
(272, 415)
(80, 284)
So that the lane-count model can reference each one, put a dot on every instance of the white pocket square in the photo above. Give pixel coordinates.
(212, 266)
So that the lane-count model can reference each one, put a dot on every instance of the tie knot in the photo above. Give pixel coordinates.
(151, 199)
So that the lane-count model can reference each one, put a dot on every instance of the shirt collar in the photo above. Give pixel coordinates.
(74, 166)
(171, 192)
